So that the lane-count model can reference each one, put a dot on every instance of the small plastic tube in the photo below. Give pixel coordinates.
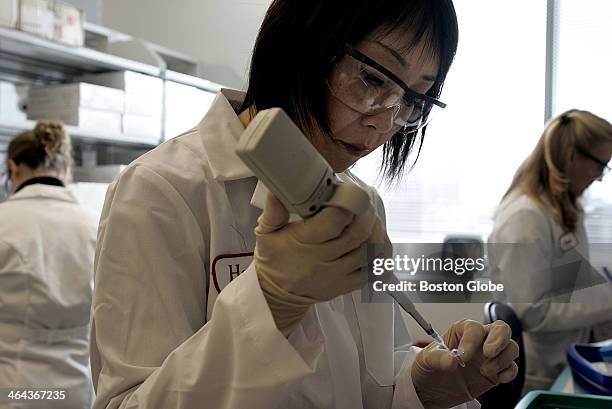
(458, 353)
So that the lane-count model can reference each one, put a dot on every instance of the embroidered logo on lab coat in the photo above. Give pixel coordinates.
(227, 267)
(568, 241)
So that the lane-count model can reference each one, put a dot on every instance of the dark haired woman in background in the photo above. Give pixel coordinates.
(289, 329)
(47, 245)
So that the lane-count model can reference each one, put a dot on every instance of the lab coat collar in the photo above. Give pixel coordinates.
(259, 195)
(220, 130)
(39, 191)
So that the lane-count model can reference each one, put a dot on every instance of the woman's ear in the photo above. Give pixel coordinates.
(12, 167)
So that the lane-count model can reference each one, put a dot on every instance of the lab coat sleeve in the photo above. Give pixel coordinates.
(527, 274)
(150, 347)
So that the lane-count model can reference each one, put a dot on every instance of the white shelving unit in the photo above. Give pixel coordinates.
(29, 46)
(12, 127)
(26, 57)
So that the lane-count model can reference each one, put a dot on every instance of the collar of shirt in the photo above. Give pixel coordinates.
(220, 130)
(43, 180)
(43, 191)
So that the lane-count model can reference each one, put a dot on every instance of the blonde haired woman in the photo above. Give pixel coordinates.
(47, 245)
(541, 211)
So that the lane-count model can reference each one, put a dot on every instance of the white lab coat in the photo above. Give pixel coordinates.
(177, 226)
(532, 273)
(47, 245)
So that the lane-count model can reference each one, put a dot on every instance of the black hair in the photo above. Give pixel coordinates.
(299, 39)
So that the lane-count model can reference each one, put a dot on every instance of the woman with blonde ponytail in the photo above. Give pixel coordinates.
(539, 231)
(47, 245)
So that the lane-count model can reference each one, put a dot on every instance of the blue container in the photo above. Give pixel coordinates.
(550, 400)
(581, 359)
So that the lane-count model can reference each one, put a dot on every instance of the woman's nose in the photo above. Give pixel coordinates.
(381, 122)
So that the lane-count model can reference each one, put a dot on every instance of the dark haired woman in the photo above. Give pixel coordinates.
(47, 245)
(289, 329)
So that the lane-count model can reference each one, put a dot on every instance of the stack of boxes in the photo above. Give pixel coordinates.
(90, 107)
(9, 13)
(113, 103)
(143, 102)
(49, 19)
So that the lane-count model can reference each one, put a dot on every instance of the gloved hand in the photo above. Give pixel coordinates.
(489, 354)
(311, 260)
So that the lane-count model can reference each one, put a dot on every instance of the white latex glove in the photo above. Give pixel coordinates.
(312, 260)
(489, 354)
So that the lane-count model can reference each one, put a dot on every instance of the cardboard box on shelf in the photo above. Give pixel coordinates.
(37, 17)
(49, 19)
(9, 13)
(129, 81)
(69, 21)
(85, 118)
(139, 126)
(10, 103)
(75, 95)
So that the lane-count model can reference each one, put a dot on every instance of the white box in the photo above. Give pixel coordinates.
(143, 93)
(129, 81)
(185, 107)
(9, 13)
(10, 103)
(76, 95)
(85, 118)
(144, 105)
(69, 21)
(139, 126)
(37, 17)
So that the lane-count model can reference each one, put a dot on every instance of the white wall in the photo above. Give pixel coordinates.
(220, 33)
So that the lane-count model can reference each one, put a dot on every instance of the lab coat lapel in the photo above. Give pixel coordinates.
(231, 244)
(220, 130)
(259, 199)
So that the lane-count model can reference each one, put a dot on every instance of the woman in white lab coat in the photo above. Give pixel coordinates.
(203, 301)
(47, 245)
(541, 215)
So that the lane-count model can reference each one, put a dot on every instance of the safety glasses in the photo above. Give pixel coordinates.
(605, 168)
(370, 89)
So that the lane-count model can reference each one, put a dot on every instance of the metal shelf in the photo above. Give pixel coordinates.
(35, 49)
(12, 128)
(193, 81)
(29, 58)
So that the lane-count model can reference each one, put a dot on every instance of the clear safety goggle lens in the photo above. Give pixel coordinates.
(370, 92)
